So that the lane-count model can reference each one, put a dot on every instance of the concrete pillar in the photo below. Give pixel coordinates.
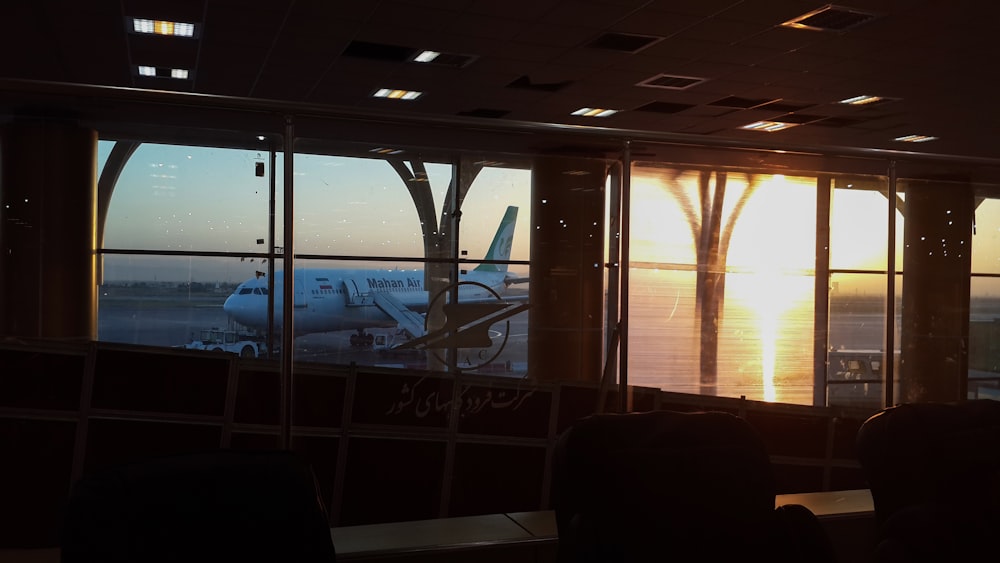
(934, 330)
(565, 336)
(48, 187)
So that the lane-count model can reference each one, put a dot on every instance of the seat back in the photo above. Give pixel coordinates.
(934, 474)
(689, 485)
(214, 506)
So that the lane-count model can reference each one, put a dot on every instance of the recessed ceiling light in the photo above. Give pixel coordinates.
(162, 27)
(594, 112)
(769, 126)
(426, 56)
(915, 138)
(163, 72)
(394, 94)
(861, 100)
(383, 150)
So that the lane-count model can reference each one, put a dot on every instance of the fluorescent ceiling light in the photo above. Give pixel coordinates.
(769, 126)
(383, 150)
(426, 56)
(163, 72)
(862, 100)
(397, 94)
(162, 27)
(595, 112)
(915, 138)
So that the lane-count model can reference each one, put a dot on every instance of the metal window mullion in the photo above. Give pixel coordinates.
(288, 290)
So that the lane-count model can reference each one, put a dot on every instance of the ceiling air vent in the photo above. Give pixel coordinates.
(671, 82)
(831, 18)
(626, 42)
(664, 107)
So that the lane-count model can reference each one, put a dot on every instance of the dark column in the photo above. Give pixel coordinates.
(48, 178)
(937, 243)
(565, 337)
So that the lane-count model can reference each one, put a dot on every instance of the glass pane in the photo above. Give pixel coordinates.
(986, 236)
(984, 307)
(173, 301)
(984, 339)
(855, 372)
(172, 197)
(493, 190)
(858, 225)
(351, 206)
(745, 326)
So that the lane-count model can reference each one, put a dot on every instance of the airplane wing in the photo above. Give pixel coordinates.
(466, 330)
(413, 323)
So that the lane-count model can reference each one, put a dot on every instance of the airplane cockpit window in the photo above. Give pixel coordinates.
(246, 291)
(257, 291)
(263, 290)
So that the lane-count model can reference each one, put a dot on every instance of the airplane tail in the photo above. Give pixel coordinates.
(503, 240)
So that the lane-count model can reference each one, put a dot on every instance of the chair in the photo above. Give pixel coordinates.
(670, 486)
(934, 474)
(215, 506)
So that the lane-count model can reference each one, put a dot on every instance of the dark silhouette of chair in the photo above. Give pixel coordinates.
(214, 506)
(934, 474)
(670, 486)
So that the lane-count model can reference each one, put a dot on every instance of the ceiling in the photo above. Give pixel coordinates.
(537, 61)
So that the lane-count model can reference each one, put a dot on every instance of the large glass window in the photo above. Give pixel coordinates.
(377, 261)
(856, 358)
(721, 286)
(984, 304)
(185, 227)
(723, 265)
(184, 198)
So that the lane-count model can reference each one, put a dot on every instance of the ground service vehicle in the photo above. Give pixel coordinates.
(245, 343)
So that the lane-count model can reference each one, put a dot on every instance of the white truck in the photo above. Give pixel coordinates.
(246, 344)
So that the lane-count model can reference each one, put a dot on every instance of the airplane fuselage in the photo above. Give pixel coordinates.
(330, 299)
(341, 299)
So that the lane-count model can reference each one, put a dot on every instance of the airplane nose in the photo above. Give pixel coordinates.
(232, 307)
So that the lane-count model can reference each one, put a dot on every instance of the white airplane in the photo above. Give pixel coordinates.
(354, 299)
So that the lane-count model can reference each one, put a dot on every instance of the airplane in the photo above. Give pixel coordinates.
(335, 299)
